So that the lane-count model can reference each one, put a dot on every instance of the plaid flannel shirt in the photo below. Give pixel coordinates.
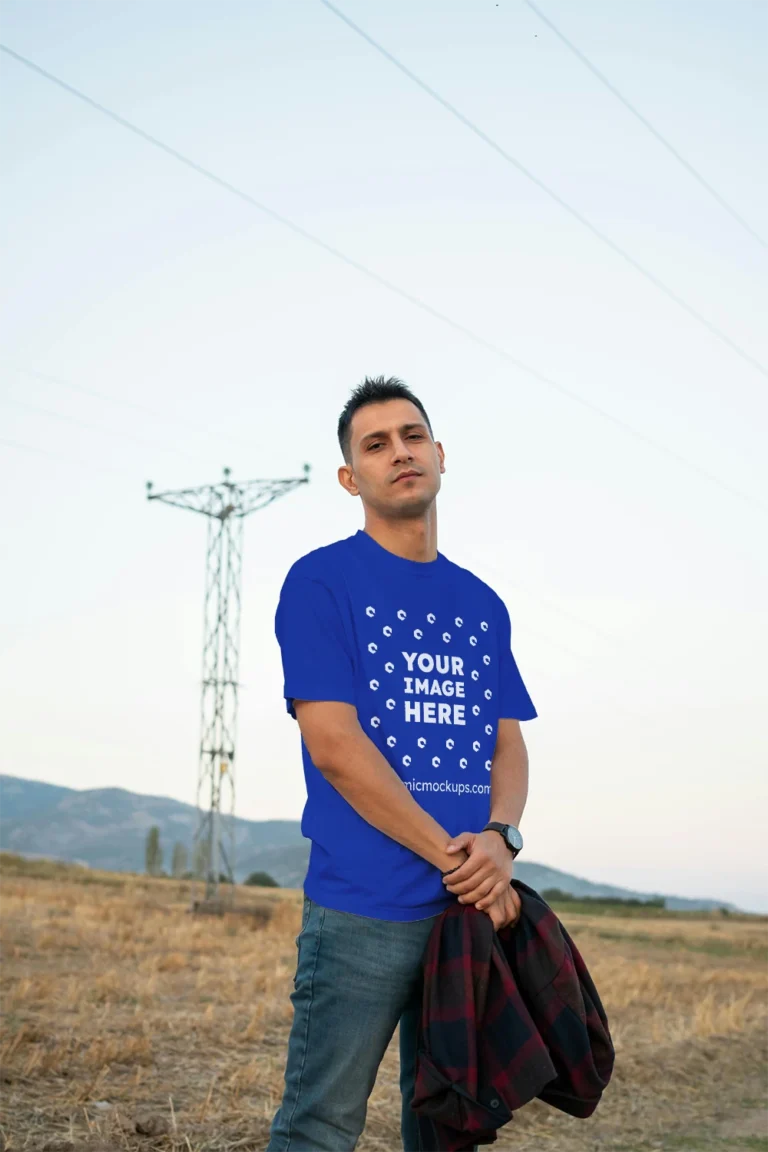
(505, 1018)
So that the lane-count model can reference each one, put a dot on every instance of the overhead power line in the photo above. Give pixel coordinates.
(558, 199)
(134, 404)
(384, 283)
(550, 604)
(88, 427)
(646, 123)
(17, 444)
(78, 461)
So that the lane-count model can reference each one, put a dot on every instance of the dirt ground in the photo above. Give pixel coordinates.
(129, 1024)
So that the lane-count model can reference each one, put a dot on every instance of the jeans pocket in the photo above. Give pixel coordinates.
(305, 912)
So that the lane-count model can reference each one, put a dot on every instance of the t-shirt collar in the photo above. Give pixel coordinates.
(397, 566)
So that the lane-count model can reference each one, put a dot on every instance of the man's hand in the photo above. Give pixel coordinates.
(505, 910)
(485, 876)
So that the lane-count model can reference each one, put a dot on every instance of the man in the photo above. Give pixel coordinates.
(399, 671)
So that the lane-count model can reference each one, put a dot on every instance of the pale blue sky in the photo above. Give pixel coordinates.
(636, 587)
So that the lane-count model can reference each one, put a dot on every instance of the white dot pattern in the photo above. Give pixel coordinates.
(436, 677)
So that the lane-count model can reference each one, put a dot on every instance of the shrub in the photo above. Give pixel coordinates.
(262, 880)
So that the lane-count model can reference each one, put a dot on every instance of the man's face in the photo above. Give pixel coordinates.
(395, 465)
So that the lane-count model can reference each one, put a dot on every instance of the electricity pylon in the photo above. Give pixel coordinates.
(226, 505)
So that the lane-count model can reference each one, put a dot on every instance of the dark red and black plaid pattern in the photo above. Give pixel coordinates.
(506, 1017)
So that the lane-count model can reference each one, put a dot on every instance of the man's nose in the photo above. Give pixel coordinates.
(401, 450)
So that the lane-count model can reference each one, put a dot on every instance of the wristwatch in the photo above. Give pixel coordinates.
(510, 834)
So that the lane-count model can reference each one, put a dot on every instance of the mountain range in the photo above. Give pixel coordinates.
(106, 828)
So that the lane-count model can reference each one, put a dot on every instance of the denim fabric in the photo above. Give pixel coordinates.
(356, 977)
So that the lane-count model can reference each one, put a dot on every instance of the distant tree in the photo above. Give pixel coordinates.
(557, 895)
(179, 860)
(262, 880)
(200, 860)
(153, 853)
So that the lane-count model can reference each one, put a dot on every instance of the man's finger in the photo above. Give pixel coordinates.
(462, 841)
(499, 918)
(495, 914)
(465, 872)
(496, 892)
(513, 915)
(461, 887)
(477, 893)
(515, 909)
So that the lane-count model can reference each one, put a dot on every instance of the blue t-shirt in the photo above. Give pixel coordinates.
(422, 651)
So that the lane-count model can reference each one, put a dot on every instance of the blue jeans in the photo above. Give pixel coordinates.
(356, 977)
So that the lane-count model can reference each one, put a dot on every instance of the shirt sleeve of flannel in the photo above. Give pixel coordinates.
(317, 662)
(514, 701)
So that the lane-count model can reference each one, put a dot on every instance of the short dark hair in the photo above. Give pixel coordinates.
(374, 390)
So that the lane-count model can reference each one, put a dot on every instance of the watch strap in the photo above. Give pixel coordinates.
(496, 826)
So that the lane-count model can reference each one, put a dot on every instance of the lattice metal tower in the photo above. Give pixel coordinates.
(225, 505)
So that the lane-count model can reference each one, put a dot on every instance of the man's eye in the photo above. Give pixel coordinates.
(372, 446)
(415, 436)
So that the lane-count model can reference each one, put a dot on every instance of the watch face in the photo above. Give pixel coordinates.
(514, 839)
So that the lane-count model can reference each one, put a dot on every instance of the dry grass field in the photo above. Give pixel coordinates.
(128, 1024)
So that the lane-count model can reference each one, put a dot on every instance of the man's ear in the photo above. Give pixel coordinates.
(441, 455)
(347, 480)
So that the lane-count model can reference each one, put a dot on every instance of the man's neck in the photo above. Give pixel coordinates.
(412, 539)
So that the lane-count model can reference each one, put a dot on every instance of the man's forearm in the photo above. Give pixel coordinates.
(356, 769)
(509, 782)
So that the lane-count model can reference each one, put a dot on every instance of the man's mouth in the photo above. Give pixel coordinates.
(405, 475)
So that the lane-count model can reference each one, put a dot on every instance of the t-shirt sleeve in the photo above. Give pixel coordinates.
(514, 701)
(316, 656)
